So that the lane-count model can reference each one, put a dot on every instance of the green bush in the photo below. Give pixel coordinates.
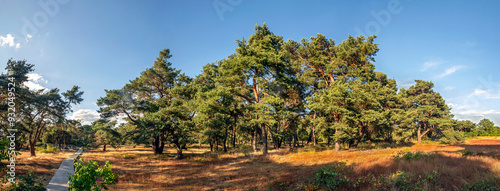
(331, 177)
(47, 149)
(483, 185)
(399, 180)
(86, 175)
(29, 182)
(408, 156)
(466, 153)
(451, 136)
(470, 153)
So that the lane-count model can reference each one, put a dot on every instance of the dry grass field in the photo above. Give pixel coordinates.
(44, 165)
(139, 169)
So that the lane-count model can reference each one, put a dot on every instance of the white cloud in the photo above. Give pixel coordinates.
(86, 116)
(406, 83)
(451, 105)
(28, 37)
(34, 81)
(430, 64)
(449, 71)
(8, 40)
(36, 78)
(488, 94)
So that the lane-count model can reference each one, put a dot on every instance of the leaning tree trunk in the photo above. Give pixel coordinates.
(356, 141)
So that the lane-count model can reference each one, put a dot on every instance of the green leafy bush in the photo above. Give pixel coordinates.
(451, 136)
(86, 175)
(29, 182)
(47, 149)
(331, 177)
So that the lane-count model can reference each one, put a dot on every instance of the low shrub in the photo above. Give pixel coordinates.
(408, 156)
(331, 177)
(47, 149)
(483, 185)
(470, 153)
(86, 175)
(29, 182)
(451, 136)
(279, 185)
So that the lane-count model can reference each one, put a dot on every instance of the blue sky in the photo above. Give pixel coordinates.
(101, 45)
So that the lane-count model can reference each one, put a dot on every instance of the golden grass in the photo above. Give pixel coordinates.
(44, 165)
(139, 169)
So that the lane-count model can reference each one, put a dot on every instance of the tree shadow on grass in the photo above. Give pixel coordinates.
(201, 171)
(450, 172)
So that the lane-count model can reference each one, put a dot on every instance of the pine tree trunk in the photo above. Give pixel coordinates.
(313, 129)
(234, 134)
(254, 140)
(179, 154)
(309, 138)
(264, 139)
(225, 140)
(216, 143)
(314, 135)
(32, 149)
(292, 146)
(419, 137)
(356, 141)
(158, 145)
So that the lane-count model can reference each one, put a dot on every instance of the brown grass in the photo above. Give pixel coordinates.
(44, 165)
(139, 169)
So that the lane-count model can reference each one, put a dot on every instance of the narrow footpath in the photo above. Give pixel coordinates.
(60, 180)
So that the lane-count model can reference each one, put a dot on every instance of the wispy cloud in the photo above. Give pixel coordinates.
(488, 94)
(450, 88)
(8, 40)
(430, 64)
(450, 70)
